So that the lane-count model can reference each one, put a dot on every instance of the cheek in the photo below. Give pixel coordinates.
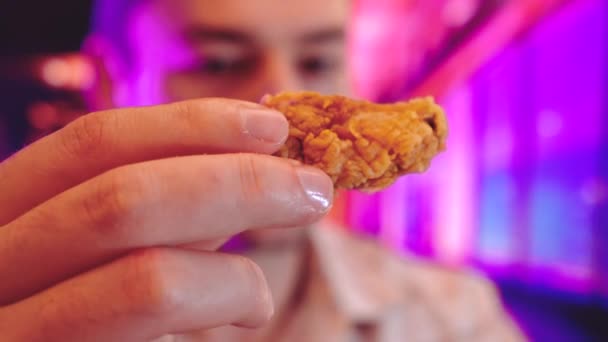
(142, 86)
(184, 86)
(180, 87)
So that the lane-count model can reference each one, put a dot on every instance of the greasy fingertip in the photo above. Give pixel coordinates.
(317, 186)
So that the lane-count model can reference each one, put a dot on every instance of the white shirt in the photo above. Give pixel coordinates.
(352, 290)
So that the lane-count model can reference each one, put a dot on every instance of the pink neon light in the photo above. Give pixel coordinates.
(455, 193)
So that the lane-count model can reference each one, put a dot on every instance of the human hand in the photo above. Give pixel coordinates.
(96, 218)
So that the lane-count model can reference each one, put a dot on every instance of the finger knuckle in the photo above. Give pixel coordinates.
(86, 135)
(153, 287)
(251, 274)
(115, 199)
(251, 176)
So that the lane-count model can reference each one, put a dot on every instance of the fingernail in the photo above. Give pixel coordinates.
(266, 125)
(318, 187)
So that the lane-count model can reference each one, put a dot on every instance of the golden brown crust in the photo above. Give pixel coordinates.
(359, 144)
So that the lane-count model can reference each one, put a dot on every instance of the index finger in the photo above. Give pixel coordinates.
(105, 140)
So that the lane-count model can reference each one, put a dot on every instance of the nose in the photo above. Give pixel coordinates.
(280, 74)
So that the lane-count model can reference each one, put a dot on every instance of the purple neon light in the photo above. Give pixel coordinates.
(518, 186)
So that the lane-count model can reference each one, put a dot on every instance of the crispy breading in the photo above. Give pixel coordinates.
(359, 144)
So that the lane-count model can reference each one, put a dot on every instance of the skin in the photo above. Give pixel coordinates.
(127, 225)
(236, 49)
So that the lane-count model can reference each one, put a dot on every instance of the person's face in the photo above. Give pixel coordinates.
(241, 49)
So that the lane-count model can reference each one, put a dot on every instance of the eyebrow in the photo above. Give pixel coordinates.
(220, 34)
(327, 35)
(210, 33)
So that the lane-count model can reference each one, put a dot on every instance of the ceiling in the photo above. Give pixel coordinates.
(42, 26)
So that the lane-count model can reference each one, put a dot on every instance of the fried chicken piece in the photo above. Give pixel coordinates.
(359, 144)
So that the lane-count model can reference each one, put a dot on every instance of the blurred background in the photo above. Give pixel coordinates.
(522, 192)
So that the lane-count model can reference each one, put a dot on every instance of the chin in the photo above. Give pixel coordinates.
(273, 236)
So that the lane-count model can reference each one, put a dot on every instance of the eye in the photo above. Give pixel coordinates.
(316, 65)
(214, 66)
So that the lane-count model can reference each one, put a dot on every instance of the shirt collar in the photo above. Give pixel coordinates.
(362, 277)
